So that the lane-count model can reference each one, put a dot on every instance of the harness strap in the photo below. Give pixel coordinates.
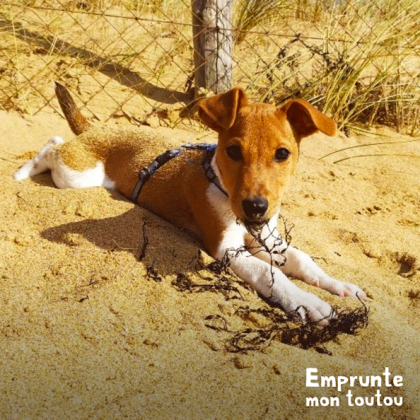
(209, 172)
(147, 172)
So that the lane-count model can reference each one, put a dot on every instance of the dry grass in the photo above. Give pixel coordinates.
(357, 61)
(254, 14)
(362, 69)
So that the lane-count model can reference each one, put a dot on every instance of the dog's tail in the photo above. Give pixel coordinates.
(77, 122)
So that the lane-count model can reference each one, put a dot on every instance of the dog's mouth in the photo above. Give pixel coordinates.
(254, 225)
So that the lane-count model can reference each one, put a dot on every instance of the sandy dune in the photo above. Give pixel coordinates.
(88, 332)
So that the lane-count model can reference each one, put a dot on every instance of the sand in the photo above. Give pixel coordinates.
(86, 333)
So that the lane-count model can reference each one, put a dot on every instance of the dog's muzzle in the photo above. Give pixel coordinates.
(255, 208)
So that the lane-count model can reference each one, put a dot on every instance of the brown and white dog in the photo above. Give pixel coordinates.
(256, 155)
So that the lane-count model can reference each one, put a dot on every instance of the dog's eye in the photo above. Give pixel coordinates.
(234, 152)
(282, 154)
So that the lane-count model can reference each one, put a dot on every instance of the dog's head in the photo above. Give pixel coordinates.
(258, 148)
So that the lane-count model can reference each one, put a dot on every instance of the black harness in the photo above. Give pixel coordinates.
(147, 172)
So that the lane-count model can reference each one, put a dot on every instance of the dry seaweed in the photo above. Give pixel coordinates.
(305, 335)
(145, 242)
(286, 328)
(152, 274)
(220, 284)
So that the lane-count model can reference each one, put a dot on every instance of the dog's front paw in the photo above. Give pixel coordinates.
(351, 290)
(308, 306)
(342, 289)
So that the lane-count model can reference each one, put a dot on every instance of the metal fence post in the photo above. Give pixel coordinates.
(212, 34)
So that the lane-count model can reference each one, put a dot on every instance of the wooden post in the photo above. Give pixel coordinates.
(212, 34)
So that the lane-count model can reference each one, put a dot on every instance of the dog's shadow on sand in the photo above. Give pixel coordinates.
(151, 240)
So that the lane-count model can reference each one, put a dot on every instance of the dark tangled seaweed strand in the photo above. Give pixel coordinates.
(255, 246)
(145, 243)
(152, 274)
(285, 328)
(216, 322)
(303, 335)
(223, 285)
(221, 281)
(259, 244)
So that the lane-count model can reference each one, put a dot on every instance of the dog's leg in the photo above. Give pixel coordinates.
(268, 280)
(40, 163)
(62, 175)
(224, 238)
(302, 266)
(296, 263)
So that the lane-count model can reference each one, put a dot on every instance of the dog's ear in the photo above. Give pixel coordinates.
(219, 111)
(305, 119)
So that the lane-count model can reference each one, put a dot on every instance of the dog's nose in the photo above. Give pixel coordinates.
(255, 207)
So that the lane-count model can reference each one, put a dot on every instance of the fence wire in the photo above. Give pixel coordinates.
(358, 61)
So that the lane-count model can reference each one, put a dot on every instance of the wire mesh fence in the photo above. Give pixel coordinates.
(357, 60)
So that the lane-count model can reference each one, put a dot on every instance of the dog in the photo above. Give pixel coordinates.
(228, 196)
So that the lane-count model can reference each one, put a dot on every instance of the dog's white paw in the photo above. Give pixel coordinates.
(342, 289)
(39, 163)
(24, 172)
(351, 290)
(308, 306)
